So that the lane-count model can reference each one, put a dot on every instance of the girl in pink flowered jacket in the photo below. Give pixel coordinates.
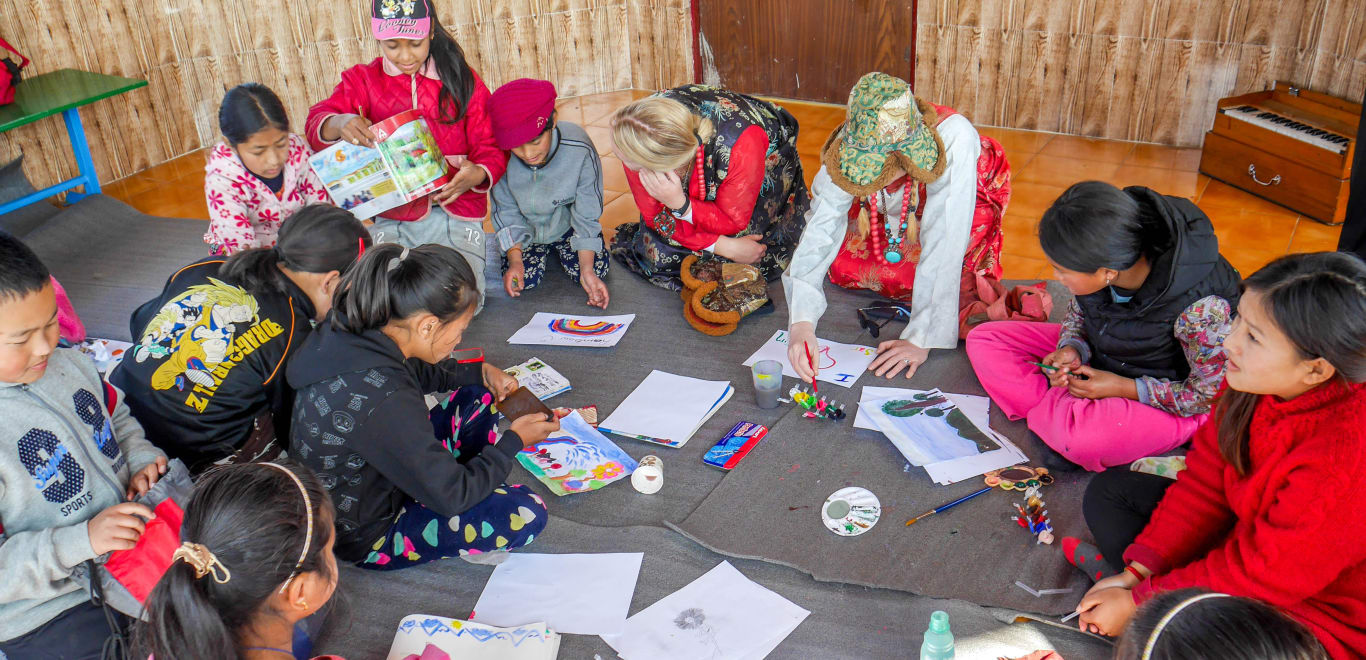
(259, 175)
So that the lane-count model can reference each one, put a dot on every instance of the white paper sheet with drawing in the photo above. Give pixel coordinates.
(573, 330)
(467, 640)
(977, 409)
(839, 364)
(722, 615)
(585, 594)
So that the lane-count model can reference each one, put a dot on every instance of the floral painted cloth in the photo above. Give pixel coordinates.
(751, 184)
(536, 255)
(243, 212)
(1200, 329)
(510, 517)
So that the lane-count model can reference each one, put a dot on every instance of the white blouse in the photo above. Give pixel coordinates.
(945, 231)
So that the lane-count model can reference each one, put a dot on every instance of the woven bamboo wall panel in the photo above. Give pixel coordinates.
(191, 51)
(1150, 71)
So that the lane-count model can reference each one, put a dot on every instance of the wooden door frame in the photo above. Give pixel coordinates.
(696, 16)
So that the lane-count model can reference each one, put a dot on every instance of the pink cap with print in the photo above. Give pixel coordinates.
(400, 19)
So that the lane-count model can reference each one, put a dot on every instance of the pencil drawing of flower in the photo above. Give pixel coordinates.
(695, 619)
(690, 619)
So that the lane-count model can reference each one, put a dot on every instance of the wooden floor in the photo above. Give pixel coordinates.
(1251, 231)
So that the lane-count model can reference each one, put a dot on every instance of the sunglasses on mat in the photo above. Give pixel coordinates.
(874, 317)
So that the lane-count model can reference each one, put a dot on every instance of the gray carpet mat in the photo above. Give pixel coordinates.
(846, 621)
(111, 258)
(658, 339)
(13, 185)
(769, 508)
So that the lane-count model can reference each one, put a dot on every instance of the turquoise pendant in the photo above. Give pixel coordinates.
(892, 257)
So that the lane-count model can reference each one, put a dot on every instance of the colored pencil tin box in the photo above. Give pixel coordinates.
(727, 453)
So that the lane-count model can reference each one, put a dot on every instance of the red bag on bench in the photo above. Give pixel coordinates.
(10, 73)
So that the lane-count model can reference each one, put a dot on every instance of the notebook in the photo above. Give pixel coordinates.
(540, 378)
(667, 409)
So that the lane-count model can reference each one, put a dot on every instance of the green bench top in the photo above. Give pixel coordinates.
(50, 93)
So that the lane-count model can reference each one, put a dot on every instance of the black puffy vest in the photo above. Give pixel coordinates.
(1135, 338)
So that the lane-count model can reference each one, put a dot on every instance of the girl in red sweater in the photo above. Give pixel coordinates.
(1271, 505)
(421, 68)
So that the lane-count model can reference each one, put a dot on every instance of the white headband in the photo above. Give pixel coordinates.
(1167, 618)
(308, 538)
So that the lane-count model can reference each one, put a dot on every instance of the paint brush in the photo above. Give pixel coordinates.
(815, 389)
(950, 505)
(1049, 367)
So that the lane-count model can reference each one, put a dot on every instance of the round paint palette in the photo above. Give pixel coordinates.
(851, 511)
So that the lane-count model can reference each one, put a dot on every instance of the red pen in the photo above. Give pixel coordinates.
(815, 389)
(468, 355)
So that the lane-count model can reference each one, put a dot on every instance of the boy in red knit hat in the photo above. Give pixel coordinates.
(550, 200)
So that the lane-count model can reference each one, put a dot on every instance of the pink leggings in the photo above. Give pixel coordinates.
(1093, 433)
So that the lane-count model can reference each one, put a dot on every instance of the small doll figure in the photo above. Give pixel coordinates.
(1034, 517)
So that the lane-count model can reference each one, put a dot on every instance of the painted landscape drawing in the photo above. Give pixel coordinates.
(576, 459)
(929, 428)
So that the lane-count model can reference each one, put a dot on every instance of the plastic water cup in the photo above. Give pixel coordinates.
(768, 382)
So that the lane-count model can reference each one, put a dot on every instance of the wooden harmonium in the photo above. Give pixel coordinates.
(1289, 145)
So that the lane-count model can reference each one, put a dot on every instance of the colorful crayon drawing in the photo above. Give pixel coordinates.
(577, 328)
(550, 329)
(577, 459)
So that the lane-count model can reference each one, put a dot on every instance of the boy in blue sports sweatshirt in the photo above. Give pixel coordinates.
(71, 456)
(550, 199)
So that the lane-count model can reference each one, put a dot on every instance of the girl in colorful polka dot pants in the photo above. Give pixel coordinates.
(510, 517)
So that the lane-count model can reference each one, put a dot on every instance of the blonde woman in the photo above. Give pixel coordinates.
(711, 171)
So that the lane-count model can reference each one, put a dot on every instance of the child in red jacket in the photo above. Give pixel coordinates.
(1270, 505)
(421, 68)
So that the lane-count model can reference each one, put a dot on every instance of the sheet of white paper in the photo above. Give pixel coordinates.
(585, 594)
(573, 330)
(468, 640)
(840, 364)
(978, 409)
(667, 407)
(719, 616)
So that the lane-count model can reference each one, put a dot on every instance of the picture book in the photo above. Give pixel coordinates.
(404, 165)
(540, 378)
(576, 458)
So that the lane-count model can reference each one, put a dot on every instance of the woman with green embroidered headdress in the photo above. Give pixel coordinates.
(714, 173)
(907, 204)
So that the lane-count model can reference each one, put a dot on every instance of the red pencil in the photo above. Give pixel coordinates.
(815, 389)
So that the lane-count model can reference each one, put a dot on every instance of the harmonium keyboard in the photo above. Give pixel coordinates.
(1289, 145)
